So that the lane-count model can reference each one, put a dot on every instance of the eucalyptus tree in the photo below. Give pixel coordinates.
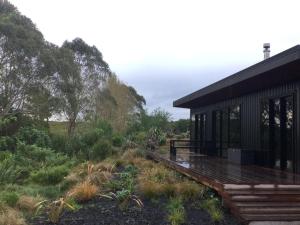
(94, 72)
(21, 47)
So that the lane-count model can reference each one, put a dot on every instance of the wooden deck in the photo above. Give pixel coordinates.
(252, 193)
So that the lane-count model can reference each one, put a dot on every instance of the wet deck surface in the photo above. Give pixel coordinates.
(252, 193)
(225, 172)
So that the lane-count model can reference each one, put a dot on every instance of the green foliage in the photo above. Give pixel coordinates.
(50, 175)
(155, 138)
(7, 143)
(58, 142)
(181, 126)
(101, 149)
(176, 211)
(117, 140)
(10, 198)
(30, 136)
(9, 172)
(213, 207)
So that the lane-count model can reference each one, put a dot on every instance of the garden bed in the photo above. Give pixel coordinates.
(101, 211)
(137, 191)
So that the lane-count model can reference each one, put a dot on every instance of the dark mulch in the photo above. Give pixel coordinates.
(102, 211)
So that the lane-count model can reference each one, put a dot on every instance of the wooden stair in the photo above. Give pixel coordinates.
(263, 202)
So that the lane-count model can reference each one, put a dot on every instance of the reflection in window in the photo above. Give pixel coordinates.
(264, 125)
(289, 133)
(235, 126)
(202, 129)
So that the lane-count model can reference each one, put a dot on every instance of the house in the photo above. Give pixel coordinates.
(252, 116)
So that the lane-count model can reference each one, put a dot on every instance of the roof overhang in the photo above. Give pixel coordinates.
(279, 69)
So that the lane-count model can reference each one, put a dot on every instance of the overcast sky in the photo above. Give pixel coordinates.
(167, 48)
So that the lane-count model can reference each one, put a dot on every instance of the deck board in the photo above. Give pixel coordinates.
(252, 193)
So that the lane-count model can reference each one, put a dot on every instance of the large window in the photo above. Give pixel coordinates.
(235, 126)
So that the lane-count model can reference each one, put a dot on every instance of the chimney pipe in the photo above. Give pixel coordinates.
(266, 50)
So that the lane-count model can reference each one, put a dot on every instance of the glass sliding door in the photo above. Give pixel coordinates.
(277, 136)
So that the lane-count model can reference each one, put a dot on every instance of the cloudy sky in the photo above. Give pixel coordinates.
(168, 48)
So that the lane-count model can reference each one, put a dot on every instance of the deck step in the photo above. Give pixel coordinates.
(274, 198)
(267, 204)
(270, 210)
(263, 192)
(271, 217)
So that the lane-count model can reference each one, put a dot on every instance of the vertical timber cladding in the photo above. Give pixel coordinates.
(250, 115)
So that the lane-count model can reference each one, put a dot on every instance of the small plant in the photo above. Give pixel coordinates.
(10, 198)
(55, 208)
(124, 197)
(213, 207)
(176, 212)
(84, 191)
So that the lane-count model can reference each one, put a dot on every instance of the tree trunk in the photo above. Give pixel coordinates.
(71, 126)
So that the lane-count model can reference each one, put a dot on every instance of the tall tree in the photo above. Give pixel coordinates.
(94, 72)
(69, 87)
(20, 50)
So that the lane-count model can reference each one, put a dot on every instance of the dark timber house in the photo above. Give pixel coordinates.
(253, 116)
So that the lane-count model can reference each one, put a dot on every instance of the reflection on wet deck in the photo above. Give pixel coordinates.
(225, 172)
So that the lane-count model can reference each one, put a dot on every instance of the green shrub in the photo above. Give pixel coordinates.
(140, 137)
(101, 149)
(7, 143)
(9, 173)
(10, 198)
(176, 212)
(58, 142)
(213, 207)
(33, 136)
(117, 140)
(75, 145)
(105, 128)
(92, 136)
(50, 175)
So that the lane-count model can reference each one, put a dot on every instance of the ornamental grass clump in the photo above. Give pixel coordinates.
(83, 191)
(176, 211)
(10, 216)
(213, 207)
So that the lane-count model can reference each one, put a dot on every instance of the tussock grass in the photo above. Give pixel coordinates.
(10, 216)
(28, 203)
(84, 191)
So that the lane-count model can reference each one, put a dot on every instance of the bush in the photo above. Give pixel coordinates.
(92, 136)
(58, 142)
(101, 149)
(7, 143)
(117, 140)
(9, 173)
(105, 128)
(10, 198)
(51, 175)
(31, 136)
(140, 137)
